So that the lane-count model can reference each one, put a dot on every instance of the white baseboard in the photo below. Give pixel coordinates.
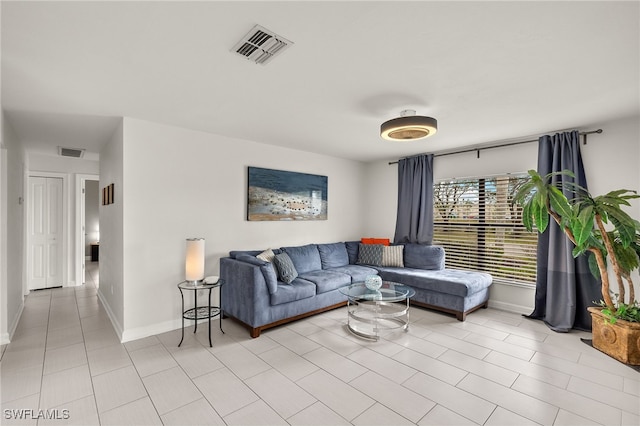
(150, 330)
(141, 332)
(111, 315)
(5, 338)
(510, 307)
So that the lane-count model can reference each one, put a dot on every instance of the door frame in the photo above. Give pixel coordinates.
(65, 224)
(81, 180)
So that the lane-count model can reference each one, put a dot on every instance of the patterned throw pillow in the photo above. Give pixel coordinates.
(286, 271)
(392, 256)
(370, 254)
(266, 255)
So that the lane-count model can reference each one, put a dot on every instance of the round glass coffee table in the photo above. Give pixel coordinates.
(371, 311)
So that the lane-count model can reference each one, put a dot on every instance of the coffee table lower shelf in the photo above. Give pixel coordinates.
(368, 318)
(371, 310)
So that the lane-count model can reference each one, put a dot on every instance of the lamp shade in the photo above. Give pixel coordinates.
(408, 127)
(194, 263)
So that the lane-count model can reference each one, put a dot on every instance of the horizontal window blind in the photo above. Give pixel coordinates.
(481, 230)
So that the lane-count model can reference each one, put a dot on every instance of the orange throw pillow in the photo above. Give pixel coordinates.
(383, 241)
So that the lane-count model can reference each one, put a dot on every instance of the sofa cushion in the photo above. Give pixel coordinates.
(392, 256)
(352, 251)
(358, 273)
(448, 281)
(422, 256)
(333, 255)
(300, 289)
(286, 270)
(327, 280)
(235, 253)
(267, 268)
(370, 254)
(305, 258)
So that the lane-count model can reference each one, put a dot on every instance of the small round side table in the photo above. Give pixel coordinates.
(200, 312)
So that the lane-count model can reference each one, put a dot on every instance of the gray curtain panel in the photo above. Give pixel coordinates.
(565, 287)
(414, 223)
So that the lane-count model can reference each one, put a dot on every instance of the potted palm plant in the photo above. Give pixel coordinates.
(598, 226)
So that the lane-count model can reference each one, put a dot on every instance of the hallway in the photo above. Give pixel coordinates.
(64, 327)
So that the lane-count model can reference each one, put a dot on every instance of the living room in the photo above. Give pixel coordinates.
(174, 180)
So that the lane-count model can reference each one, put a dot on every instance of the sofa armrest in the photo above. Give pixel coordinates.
(267, 268)
(244, 294)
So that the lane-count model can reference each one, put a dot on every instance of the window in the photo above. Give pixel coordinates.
(481, 230)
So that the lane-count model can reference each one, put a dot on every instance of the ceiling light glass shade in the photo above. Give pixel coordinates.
(408, 127)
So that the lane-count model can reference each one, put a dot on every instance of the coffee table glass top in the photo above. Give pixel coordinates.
(389, 292)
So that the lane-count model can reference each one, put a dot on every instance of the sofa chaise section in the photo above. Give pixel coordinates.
(454, 291)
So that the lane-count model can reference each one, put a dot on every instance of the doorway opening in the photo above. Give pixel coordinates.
(87, 226)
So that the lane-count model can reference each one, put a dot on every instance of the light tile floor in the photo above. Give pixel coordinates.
(496, 368)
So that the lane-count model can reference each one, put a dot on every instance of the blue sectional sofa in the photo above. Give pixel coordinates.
(254, 295)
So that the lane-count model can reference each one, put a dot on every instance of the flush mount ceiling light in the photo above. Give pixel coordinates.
(408, 127)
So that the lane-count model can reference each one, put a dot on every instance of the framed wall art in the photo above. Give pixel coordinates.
(283, 195)
(108, 195)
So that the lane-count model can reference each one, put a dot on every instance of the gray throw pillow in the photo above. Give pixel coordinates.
(286, 271)
(370, 254)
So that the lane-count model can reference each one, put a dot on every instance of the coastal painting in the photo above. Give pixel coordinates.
(283, 195)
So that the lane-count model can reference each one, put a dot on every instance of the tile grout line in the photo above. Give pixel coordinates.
(44, 354)
(86, 353)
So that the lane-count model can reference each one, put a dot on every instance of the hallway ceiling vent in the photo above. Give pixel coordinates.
(70, 152)
(261, 45)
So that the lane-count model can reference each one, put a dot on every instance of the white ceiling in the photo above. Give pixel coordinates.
(488, 71)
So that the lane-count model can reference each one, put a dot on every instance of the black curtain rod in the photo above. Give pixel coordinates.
(480, 148)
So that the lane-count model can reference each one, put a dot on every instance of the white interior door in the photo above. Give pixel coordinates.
(45, 232)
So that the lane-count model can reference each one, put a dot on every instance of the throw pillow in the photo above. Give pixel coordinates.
(370, 254)
(266, 255)
(383, 241)
(286, 271)
(392, 256)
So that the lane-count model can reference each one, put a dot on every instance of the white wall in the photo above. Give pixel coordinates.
(610, 161)
(111, 289)
(180, 183)
(11, 232)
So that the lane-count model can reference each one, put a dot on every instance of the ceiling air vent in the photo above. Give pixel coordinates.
(70, 152)
(261, 45)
